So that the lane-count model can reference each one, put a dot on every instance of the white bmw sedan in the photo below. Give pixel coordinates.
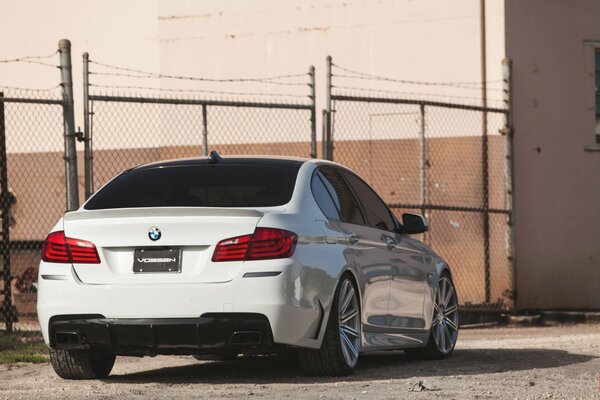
(241, 255)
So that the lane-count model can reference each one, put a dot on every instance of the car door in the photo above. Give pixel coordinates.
(409, 284)
(407, 267)
(365, 247)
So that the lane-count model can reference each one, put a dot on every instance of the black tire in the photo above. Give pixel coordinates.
(433, 351)
(81, 364)
(329, 360)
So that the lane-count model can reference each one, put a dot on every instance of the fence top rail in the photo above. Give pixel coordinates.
(201, 102)
(441, 207)
(369, 99)
(31, 100)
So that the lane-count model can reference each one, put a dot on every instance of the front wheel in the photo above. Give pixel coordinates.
(444, 324)
(340, 348)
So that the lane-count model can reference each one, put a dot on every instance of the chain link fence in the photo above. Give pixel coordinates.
(133, 129)
(32, 186)
(445, 160)
(122, 131)
(129, 131)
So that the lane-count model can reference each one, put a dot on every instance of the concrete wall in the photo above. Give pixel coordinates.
(124, 32)
(428, 40)
(557, 182)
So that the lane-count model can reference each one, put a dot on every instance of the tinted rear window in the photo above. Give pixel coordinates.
(198, 186)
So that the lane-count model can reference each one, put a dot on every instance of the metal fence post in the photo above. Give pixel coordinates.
(325, 117)
(485, 149)
(5, 204)
(422, 163)
(205, 129)
(422, 159)
(486, 204)
(71, 179)
(324, 134)
(507, 91)
(327, 136)
(87, 138)
(313, 113)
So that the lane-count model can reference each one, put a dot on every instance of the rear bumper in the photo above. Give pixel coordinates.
(151, 336)
(293, 320)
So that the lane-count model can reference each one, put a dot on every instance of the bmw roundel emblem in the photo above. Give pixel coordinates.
(154, 233)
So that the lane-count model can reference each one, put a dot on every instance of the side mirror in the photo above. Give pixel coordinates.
(414, 223)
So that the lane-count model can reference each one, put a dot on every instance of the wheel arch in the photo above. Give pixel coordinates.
(446, 268)
(352, 274)
(441, 267)
(349, 272)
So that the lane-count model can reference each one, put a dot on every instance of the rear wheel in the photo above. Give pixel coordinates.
(340, 348)
(81, 363)
(444, 325)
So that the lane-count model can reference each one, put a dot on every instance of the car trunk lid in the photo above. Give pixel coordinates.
(118, 233)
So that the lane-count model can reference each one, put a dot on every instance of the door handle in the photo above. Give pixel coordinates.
(391, 243)
(353, 238)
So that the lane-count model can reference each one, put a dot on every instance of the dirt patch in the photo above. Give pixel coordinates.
(510, 363)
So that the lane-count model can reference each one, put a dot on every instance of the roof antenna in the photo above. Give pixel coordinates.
(214, 157)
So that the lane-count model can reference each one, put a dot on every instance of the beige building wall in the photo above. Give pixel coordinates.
(557, 181)
(427, 40)
(124, 32)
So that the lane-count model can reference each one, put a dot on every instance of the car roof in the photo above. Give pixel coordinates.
(231, 160)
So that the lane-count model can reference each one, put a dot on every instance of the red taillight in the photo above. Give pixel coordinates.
(264, 244)
(271, 243)
(83, 252)
(232, 249)
(54, 248)
(60, 249)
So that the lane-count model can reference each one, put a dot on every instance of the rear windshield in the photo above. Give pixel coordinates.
(198, 186)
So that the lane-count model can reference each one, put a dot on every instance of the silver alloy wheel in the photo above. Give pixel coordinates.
(445, 316)
(349, 323)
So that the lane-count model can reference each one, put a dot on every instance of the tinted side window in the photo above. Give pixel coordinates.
(323, 198)
(377, 213)
(342, 195)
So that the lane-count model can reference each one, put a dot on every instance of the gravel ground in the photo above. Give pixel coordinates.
(561, 362)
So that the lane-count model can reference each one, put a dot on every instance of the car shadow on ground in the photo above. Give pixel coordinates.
(375, 366)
